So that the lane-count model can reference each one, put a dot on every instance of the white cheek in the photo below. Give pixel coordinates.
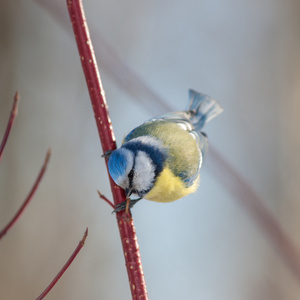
(123, 183)
(143, 171)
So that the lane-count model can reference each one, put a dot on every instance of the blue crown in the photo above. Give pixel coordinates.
(118, 163)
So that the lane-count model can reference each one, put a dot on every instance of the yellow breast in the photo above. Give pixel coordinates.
(169, 187)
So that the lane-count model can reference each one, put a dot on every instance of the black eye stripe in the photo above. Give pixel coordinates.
(156, 154)
(130, 174)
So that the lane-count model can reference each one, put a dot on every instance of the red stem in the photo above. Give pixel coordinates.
(10, 123)
(97, 96)
(253, 204)
(28, 199)
(106, 200)
(65, 267)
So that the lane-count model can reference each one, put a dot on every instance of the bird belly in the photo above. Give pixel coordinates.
(168, 187)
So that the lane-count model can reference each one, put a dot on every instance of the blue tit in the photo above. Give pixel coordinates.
(161, 159)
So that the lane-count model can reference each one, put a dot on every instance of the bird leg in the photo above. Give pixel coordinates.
(126, 205)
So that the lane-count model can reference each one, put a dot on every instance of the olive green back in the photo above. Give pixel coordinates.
(183, 152)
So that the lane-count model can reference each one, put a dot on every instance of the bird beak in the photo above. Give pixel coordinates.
(128, 192)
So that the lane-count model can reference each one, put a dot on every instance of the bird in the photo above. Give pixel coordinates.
(161, 159)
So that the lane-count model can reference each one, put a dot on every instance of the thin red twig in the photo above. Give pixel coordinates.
(106, 200)
(29, 197)
(94, 84)
(65, 267)
(10, 123)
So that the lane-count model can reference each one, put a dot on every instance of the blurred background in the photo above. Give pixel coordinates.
(205, 246)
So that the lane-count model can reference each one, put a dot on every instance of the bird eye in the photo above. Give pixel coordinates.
(130, 174)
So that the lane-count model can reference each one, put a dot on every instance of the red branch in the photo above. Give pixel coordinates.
(244, 195)
(65, 267)
(92, 76)
(10, 123)
(28, 199)
(106, 200)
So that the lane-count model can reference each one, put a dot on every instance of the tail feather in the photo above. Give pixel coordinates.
(202, 108)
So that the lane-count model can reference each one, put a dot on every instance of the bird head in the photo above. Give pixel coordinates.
(134, 171)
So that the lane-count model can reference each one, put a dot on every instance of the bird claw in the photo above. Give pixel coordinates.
(123, 205)
(107, 153)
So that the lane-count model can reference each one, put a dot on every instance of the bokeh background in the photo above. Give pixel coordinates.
(205, 246)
